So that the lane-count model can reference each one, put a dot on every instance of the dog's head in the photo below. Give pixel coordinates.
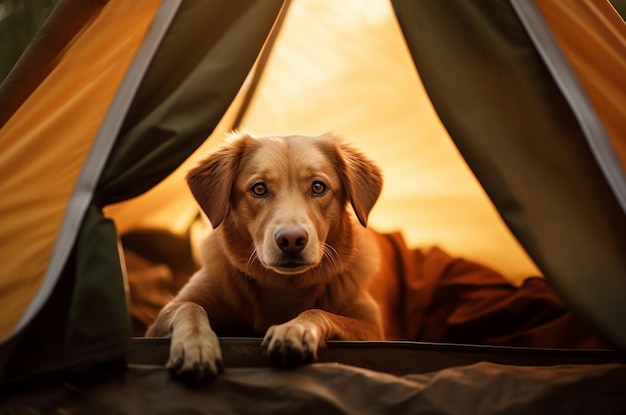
(282, 201)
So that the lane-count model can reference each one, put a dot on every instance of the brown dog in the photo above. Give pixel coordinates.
(285, 258)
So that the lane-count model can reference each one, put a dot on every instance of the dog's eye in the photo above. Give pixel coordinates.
(259, 189)
(318, 188)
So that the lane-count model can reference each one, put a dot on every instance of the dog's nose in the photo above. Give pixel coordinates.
(291, 239)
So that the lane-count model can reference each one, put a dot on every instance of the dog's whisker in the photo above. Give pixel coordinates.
(332, 255)
(254, 257)
(333, 258)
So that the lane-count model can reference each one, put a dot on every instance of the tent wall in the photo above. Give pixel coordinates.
(596, 52)
(521, 137)
(183, 94)
(56, 126)
(43, 52)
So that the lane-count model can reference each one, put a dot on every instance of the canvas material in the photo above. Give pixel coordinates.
(45, 143)
(95, 327)
(40, 58)
(596, 52)
(508, 117)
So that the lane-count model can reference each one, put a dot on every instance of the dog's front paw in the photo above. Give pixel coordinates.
(195, 353)
(292, 343)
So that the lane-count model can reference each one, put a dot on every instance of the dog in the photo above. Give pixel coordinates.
(287, 258)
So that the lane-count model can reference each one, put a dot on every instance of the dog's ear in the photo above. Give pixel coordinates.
(361, 178)
(212, 180)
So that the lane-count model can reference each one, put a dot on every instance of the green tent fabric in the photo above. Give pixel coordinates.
(522, 139)
(180, 100)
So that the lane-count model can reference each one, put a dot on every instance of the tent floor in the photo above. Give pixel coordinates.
(351, 377)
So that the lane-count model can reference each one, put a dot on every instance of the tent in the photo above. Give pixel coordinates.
(113, 101)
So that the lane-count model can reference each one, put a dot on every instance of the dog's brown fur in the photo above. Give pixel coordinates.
(286, 257)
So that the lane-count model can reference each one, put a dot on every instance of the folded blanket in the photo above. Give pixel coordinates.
(448, 299)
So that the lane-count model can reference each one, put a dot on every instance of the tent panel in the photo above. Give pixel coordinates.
(597, 52)
(56, 126)
(510, 120)
(150, 128)
(186, 91)
(44, 52)
(169, 205)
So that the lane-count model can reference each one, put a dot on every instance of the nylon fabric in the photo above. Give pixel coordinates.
(45, 52)
(517, 133)
(332, 388)
(186, 91)
(597, 52)
(96, 325)
(56, 126)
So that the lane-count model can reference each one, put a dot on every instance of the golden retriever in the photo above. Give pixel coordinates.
(286, 257)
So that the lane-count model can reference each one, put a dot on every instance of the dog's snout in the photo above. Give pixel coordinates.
(291, 239)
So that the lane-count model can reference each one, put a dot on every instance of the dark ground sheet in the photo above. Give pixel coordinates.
(354, 378)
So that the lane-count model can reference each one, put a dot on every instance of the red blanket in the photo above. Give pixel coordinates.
(448, 299)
